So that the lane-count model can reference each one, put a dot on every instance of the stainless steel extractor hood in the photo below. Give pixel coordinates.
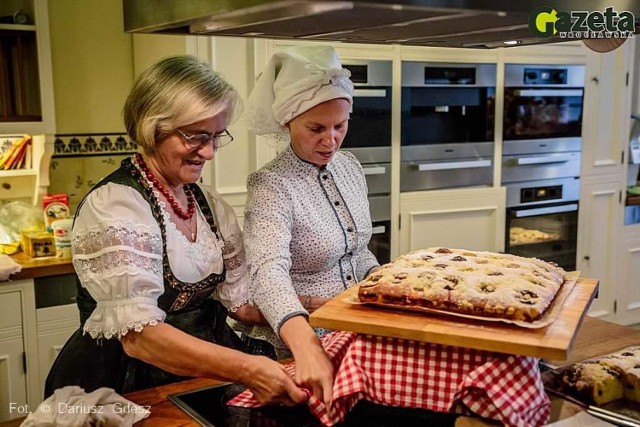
(441, 23)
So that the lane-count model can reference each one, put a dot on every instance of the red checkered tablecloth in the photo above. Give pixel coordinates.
(436, 377)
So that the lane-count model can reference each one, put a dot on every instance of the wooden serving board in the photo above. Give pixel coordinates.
(551, 342)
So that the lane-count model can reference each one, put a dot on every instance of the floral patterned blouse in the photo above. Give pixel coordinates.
(306, 232)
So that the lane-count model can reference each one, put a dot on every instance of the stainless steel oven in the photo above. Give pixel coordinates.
(543, 102)
(542, 220)
(369, 139)
(542, 151)
(447, 125)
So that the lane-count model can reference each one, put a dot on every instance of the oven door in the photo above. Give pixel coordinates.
(380, 243)
(548, 232)
(440, 115)
(370, 119)
(532, 113)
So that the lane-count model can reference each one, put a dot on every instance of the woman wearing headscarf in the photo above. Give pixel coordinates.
(307, 222)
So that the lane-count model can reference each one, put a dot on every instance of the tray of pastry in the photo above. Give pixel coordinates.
(475, 299)
(607, 384)
(545, 319)
(553, 341)
(526, 236)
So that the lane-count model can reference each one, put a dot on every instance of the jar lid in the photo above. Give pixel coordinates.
(61, 223)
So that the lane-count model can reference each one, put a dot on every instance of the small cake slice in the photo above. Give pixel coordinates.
(632, 384)
(593, 383)
(622, 361)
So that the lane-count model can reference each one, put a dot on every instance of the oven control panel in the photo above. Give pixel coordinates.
(537, 194)
(545, 76)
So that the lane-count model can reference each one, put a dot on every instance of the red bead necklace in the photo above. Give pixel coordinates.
(191, 200)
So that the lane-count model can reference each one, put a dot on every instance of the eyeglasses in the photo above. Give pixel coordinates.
(199, 140)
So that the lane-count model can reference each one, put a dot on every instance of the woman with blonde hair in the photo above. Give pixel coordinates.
(160, 260)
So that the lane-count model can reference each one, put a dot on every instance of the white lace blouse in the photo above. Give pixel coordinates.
(117, 254)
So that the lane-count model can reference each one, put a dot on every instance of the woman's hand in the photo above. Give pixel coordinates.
(314, 370)
(270, 383)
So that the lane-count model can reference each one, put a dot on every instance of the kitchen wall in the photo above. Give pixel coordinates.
(94, 65)
(92, 59)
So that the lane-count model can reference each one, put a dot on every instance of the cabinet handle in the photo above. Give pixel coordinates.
(377, 93)
(539, 160)
(6, 186)
(375, 170)
(453, 165)
(548, 92)
(586, 257)
(595, 79)
(380, 229)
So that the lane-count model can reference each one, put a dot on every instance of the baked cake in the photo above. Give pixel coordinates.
(593, 383)
(605, 379)
(469, 282)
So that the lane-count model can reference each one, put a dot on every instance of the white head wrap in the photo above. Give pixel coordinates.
(294, 81)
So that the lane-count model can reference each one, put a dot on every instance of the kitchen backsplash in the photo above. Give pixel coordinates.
(80, 160)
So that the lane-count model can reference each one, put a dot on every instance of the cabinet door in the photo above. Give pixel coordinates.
(55, 326)
(629, 302)
(466, 218)
(598, 225)
(26, 90)
(607, 105)
(13, 379)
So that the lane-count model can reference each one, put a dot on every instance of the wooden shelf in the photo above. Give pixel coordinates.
(16, 27)
(632, 200)
(29, 183)
(17, 172)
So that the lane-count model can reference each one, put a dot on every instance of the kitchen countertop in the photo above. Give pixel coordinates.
(40, 267)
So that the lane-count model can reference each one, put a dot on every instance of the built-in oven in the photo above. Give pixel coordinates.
(380, 243)
(369, 139)
(543, 101)
(541, 157)
(447, 126)
(542, 220)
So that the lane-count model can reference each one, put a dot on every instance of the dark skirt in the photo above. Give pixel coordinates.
(93, 363)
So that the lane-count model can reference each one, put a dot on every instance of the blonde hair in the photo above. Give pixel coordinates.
(174, 92)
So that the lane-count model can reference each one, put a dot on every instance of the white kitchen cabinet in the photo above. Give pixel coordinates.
(18, 352)
(55, 326)
(603, 252)
(30, 338)
(607, 110)
(27, 99)
(628, 305)
(599, 219)
(471, 218)
(13, 377)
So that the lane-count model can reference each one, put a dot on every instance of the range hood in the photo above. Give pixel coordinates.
(439, 23)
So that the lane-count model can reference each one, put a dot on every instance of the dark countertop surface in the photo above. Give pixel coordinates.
(40, 267)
